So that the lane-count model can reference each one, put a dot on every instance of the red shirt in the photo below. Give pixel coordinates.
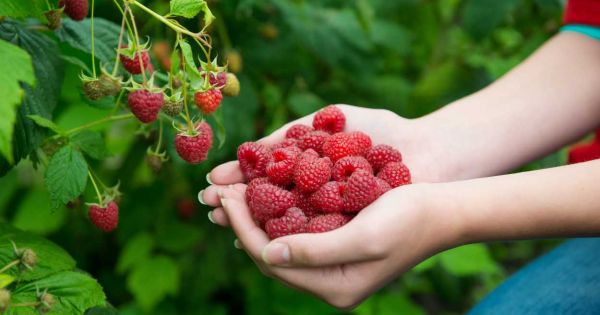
(583, 12)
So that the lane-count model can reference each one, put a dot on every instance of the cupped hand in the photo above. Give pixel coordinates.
(384, 127)
(346, 265)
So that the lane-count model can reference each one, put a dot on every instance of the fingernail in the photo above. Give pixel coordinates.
(200, 197)
(276, 254)
(237, 244)
(223, 202)
(210, 218)
(208, 179)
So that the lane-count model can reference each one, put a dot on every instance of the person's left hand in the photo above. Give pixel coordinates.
(344, 266)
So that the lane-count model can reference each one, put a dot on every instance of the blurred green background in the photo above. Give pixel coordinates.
(408, 56)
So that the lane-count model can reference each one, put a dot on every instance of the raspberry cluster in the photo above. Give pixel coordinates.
(319, 177)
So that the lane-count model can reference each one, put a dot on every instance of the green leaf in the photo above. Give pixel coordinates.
(42, 99)
(482, 16)
(152, 280)
(51, 258)
(191, 8)
(6, 280)
(76, 62)
(136, 251)
(46, 123)
(106, 35)
(74, 292)
(66, 176)
(34, 214)
(91, 143)
(191, 67)
(15, 67)
(22, 9)
(469, 260)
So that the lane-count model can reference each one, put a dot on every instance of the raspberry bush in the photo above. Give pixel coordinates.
(113, 111)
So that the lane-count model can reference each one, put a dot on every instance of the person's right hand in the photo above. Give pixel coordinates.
(384, 127)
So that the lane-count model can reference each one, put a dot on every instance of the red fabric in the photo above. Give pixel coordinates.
(583, 12)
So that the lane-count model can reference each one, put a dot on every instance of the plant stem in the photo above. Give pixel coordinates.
(48, 4)
(116, 67)
(175, 27)
(10, 265)
(98, 122)
(137, 44)
(93, 46)
(184, 89)
(160, 136)
(100, 201)
(129, 31)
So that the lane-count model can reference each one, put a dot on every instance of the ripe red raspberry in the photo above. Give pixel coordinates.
(75, 9)
(329, 119)
(326, 223)
(186, 208)
(310, 174)
(253, 158)
(382, 154)
(340, 145)
(132, 65)
(346, 166)
(270, 201)
(286, 144)
(313, 140)
(362, 140)
(395, 173)
(107, 218)
(297, 131)
(208, 101)
(329, 198)
(253, 184)
(292, 222)
(584, 152)
(145, 105)
(361, 190)
(383, 186)
(303, 202)
(280, 169)
(194, 148)
(309, 154)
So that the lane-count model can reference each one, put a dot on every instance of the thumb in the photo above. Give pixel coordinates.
(344, 245)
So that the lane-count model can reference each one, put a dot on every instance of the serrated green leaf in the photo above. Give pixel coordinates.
(22, 9)
(66, 176)
(46, 123)
(51, 258)
(191, 8)
(42, 99)
(15, 67)
(106, 35)
(74, 293)
(152, 280)
(188, 57)
(91, 143)
(6, 280)
(136, 251)
(469, 260)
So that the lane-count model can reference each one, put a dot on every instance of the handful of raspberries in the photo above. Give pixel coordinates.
(319, 177)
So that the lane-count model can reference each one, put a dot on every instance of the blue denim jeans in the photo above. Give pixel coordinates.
(563, 281)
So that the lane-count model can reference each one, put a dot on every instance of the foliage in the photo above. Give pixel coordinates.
(408, 56)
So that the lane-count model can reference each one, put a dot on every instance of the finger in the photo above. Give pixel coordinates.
(344, 245)
(219, 217)
(210, 195)
(226, 174)
(238, 213)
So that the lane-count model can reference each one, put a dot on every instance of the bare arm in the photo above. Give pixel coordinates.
(550, 100)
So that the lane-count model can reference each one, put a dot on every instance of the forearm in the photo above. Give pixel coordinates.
(548, 101)
(556, 202)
